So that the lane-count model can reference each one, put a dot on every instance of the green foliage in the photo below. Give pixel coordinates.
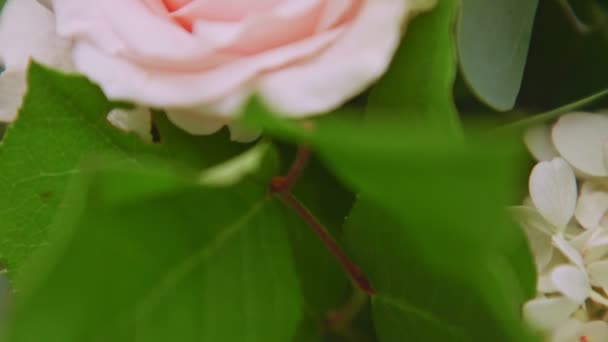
(493, 41)
(63, 120)
(421, 227)
(149, 257)
(108, 238)
(417, 88)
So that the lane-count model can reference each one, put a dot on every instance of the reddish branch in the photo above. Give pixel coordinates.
(281, 186)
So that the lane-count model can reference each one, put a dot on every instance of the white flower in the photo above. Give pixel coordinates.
(592, 205)
(576, 331)
(580, 138)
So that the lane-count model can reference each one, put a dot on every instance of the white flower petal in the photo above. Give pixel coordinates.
(568, 251)
(538, 232)
(571, 282)
(592, 205)
(598, 272)
(138, 121)
(547, 313)
(544, 283)
(538, 141)
(580, 138)
(595, 331)
(596, 247)
(580, 241)
(553, 191)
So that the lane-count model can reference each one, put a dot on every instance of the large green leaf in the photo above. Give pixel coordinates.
(62, 120)
(146, 256)
(493, 41)
(417, 89)
(430, 228)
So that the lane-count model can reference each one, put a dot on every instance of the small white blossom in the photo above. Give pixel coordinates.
(568, 232)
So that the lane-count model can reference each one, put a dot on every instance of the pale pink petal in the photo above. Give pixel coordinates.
(579, 138)
(553, 191)
(334, 10)
(225, 10)
(13, 86)
(209, 118)
(571, 282)
(195, 124)
(137, 120)
(154, 41)
(346, 68)
(27, 30)
(538, 141)
(547, 313)
(261, 32)
(46, 3)
(122, 80)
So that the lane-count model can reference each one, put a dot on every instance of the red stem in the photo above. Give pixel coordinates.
(284, 183)
(281, 186)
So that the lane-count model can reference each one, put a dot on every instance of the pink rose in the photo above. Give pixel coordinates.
(201, 59)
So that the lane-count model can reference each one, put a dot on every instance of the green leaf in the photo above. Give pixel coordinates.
(430, 229)
(417, 89)
(554, 113)
(150, 257)
(493, 42)
(62, 120)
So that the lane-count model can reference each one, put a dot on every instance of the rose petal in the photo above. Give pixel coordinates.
(335, 11)
(326, 82)
(547, 313)
(225, 10)
(553, 191)
(571, 282)
(538, 141)
(195, 124)
(579, 138)
(123, 80)
(260, 31)
(21, 40)
(13, 86)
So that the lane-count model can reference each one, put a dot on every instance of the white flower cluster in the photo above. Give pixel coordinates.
(567, 227)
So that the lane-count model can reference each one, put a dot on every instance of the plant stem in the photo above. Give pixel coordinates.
(281, 186)
(284, 183)
(351, 269)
